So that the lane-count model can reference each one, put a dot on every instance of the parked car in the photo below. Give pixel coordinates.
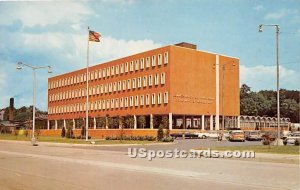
(269, 135)
(237, 135)
(286, 134)
(253, 135)
(202, 135)
(293, 139)
(213, 134)
(186, 135)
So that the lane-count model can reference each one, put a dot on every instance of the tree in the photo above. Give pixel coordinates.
(63, 132)
(129, 121)
(160, 133)
(165, 122)
(142, 121)
(69, 133)
(244, 90)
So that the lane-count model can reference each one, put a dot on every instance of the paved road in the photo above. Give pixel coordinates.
(23, 166)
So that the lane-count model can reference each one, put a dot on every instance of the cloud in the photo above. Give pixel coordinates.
(43, 13)
(259, 7)
(264, 77)
(280, 14)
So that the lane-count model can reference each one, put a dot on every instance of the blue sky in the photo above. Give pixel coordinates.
(54, 33)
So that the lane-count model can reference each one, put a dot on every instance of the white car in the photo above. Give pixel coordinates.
(203, 135)
(293, 139)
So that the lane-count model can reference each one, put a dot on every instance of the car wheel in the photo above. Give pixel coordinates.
(203, 137)
(284, 142)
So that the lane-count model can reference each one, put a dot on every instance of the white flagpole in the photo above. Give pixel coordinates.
(87, 89)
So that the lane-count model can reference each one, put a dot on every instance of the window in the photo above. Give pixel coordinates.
(107, 104)
(133, 83)
(156, 79)
(131, 66)
(119, 86)
(96, 76)
(147, 62)
(159, 61)
(166, 97)
(105, 88)
(99, 105)
(121, 103)
(100, 73)
(117, 102)
(101, 89)
(104, 73)
(110, 87)
(96, 105)
(159, 98)
(92, 75)
(124, 84)
(131, 101)
(142, 100)
(108, 71)
(162, 78)
(136, 101)
(147, 99)
(150, 80)
(153, 61)
(117, 69)
(153, 99)
(115, 86)
(136, 65)
(144, 81)
(166, 59)
(128, 84)
(126, 102)
(142, 63)
(112, 103)
(103, 105)
(112, 71)
(126, 67)
(122, 68)
(139, 82)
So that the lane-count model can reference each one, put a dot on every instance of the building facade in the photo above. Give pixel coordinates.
(192, 89)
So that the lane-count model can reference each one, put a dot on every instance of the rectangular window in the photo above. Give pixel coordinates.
(147, 62)
(166, 58)
(117, 69)
(133, 83)
(159, 61)
(153, 60)
(100, 73)
(98, 90)
(166, 97)
(162, 78)
(108, 71)
(150, 80)
(122, 68)
(107, 104)
(99, 105)
(105, 88)
(128, 84)
(124, 84)
(136, 65)
(136, 101)
(96, 75)
(104, 73)
(110, 87)
(147, 99)
(142, 63)
(131, 66)
(115, 86)
(103, 104)
(126, 67)
(112, 71)
(144, 81)
(119, 86)
(112, 103)
(139, 82)
(153, 99)
(117, 102)
(159, 98)
(131, 101)
(92, 75)
(101, 89)
(156, 79)
(126, 102)
(121, 102)
(142, 100)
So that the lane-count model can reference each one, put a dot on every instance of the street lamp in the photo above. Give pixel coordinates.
(19, 67)
(277, 77)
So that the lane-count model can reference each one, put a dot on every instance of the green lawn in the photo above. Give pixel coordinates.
(72, 141)
(289, 149)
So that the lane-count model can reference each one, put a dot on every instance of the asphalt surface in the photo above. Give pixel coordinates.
(23, 166)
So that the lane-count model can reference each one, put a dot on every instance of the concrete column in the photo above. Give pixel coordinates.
(170, 121)
(48, 124)
(135, 122)
(65, 126)
(238, 122)
(151, 121)
(55, 124)
(95, 124)
(73, 124)
(202, 122)
(106, 122)
(217, 93)
(211, 124)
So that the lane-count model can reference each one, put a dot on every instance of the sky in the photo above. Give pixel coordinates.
(54, 33)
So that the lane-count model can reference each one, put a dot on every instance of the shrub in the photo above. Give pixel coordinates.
(63, 132)
(167, 139)
(296, 142)
(160, 133)
(69, 133)
(266, 142)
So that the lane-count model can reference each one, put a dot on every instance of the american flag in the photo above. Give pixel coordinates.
(94, 36)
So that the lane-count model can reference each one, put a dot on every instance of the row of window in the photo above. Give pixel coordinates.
(131, 66)
(123, 102)
(118, 86)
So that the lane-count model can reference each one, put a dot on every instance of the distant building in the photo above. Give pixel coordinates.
(192, 88)
(2, 112)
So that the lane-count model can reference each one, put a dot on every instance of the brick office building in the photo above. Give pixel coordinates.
(192, 88)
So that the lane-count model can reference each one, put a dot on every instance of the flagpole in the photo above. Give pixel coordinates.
(87, 89)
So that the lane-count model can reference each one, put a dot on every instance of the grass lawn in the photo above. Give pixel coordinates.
(289, 149)
(72, 141)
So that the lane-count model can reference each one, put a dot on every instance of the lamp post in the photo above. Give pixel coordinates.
(277, 76)
(19, 67)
